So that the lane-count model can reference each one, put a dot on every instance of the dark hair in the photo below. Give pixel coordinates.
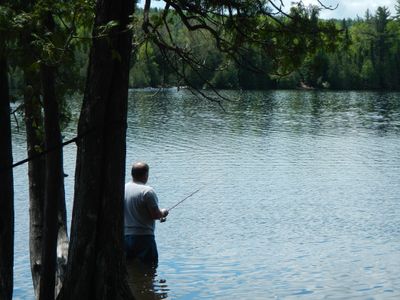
(139, 170)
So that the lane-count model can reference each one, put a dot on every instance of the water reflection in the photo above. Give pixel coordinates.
(144, 283)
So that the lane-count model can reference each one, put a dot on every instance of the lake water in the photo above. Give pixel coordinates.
(300, 194)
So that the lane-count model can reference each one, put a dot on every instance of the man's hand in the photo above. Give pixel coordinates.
(164, 213)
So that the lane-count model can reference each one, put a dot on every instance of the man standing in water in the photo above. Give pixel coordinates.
(140, 211)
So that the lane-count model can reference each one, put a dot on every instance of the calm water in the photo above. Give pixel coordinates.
(300, 194)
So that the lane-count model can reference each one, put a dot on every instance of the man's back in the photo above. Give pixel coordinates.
(139, 201)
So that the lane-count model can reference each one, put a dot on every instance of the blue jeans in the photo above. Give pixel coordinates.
(141, 247)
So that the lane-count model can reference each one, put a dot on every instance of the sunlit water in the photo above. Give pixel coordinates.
(300, 194)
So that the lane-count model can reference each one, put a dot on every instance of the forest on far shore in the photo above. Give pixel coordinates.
(366, 57)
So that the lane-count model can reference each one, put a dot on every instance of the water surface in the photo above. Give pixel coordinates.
(299, 194)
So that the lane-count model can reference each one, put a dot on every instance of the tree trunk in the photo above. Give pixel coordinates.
(35, 145)
(6, 185)
(96, 268)
(54, 185)
(37, 184)
(36, 172)
(54, 182)
(37, 169)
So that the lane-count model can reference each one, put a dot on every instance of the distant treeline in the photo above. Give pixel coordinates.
(367, 57)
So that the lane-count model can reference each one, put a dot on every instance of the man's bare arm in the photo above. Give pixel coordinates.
(156, 213)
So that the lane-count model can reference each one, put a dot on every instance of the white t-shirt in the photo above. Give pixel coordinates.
(139, 199)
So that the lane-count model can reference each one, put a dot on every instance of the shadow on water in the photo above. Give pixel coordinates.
(144, 283)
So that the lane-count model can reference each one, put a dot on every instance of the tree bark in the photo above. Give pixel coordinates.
(35, 145)
(54, 185)
(37, 168)
(96, 268)
(36, 172)
(38, 181)
(6, 184)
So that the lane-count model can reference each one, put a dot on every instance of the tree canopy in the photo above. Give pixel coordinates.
(363, 56)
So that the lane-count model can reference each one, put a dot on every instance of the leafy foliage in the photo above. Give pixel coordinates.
(236, 44)
(363, 56)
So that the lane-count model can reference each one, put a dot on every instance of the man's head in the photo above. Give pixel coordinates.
(140, 172)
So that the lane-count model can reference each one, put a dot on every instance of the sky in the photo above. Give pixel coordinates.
(346, 8)
(351, 8)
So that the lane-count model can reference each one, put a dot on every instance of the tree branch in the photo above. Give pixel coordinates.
(330, 7)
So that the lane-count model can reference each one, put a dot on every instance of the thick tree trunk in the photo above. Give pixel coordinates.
(6, 185)
(96, 268)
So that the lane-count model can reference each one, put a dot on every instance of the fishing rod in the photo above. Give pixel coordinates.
(181, 201)
(184, 199)
(190, 195)
(162, 220)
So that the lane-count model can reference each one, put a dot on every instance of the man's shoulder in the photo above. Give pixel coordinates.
(149, 192)
(129, 185)
(148, 189)
(142, 187)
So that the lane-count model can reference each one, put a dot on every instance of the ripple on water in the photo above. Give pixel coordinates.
(300, 195)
